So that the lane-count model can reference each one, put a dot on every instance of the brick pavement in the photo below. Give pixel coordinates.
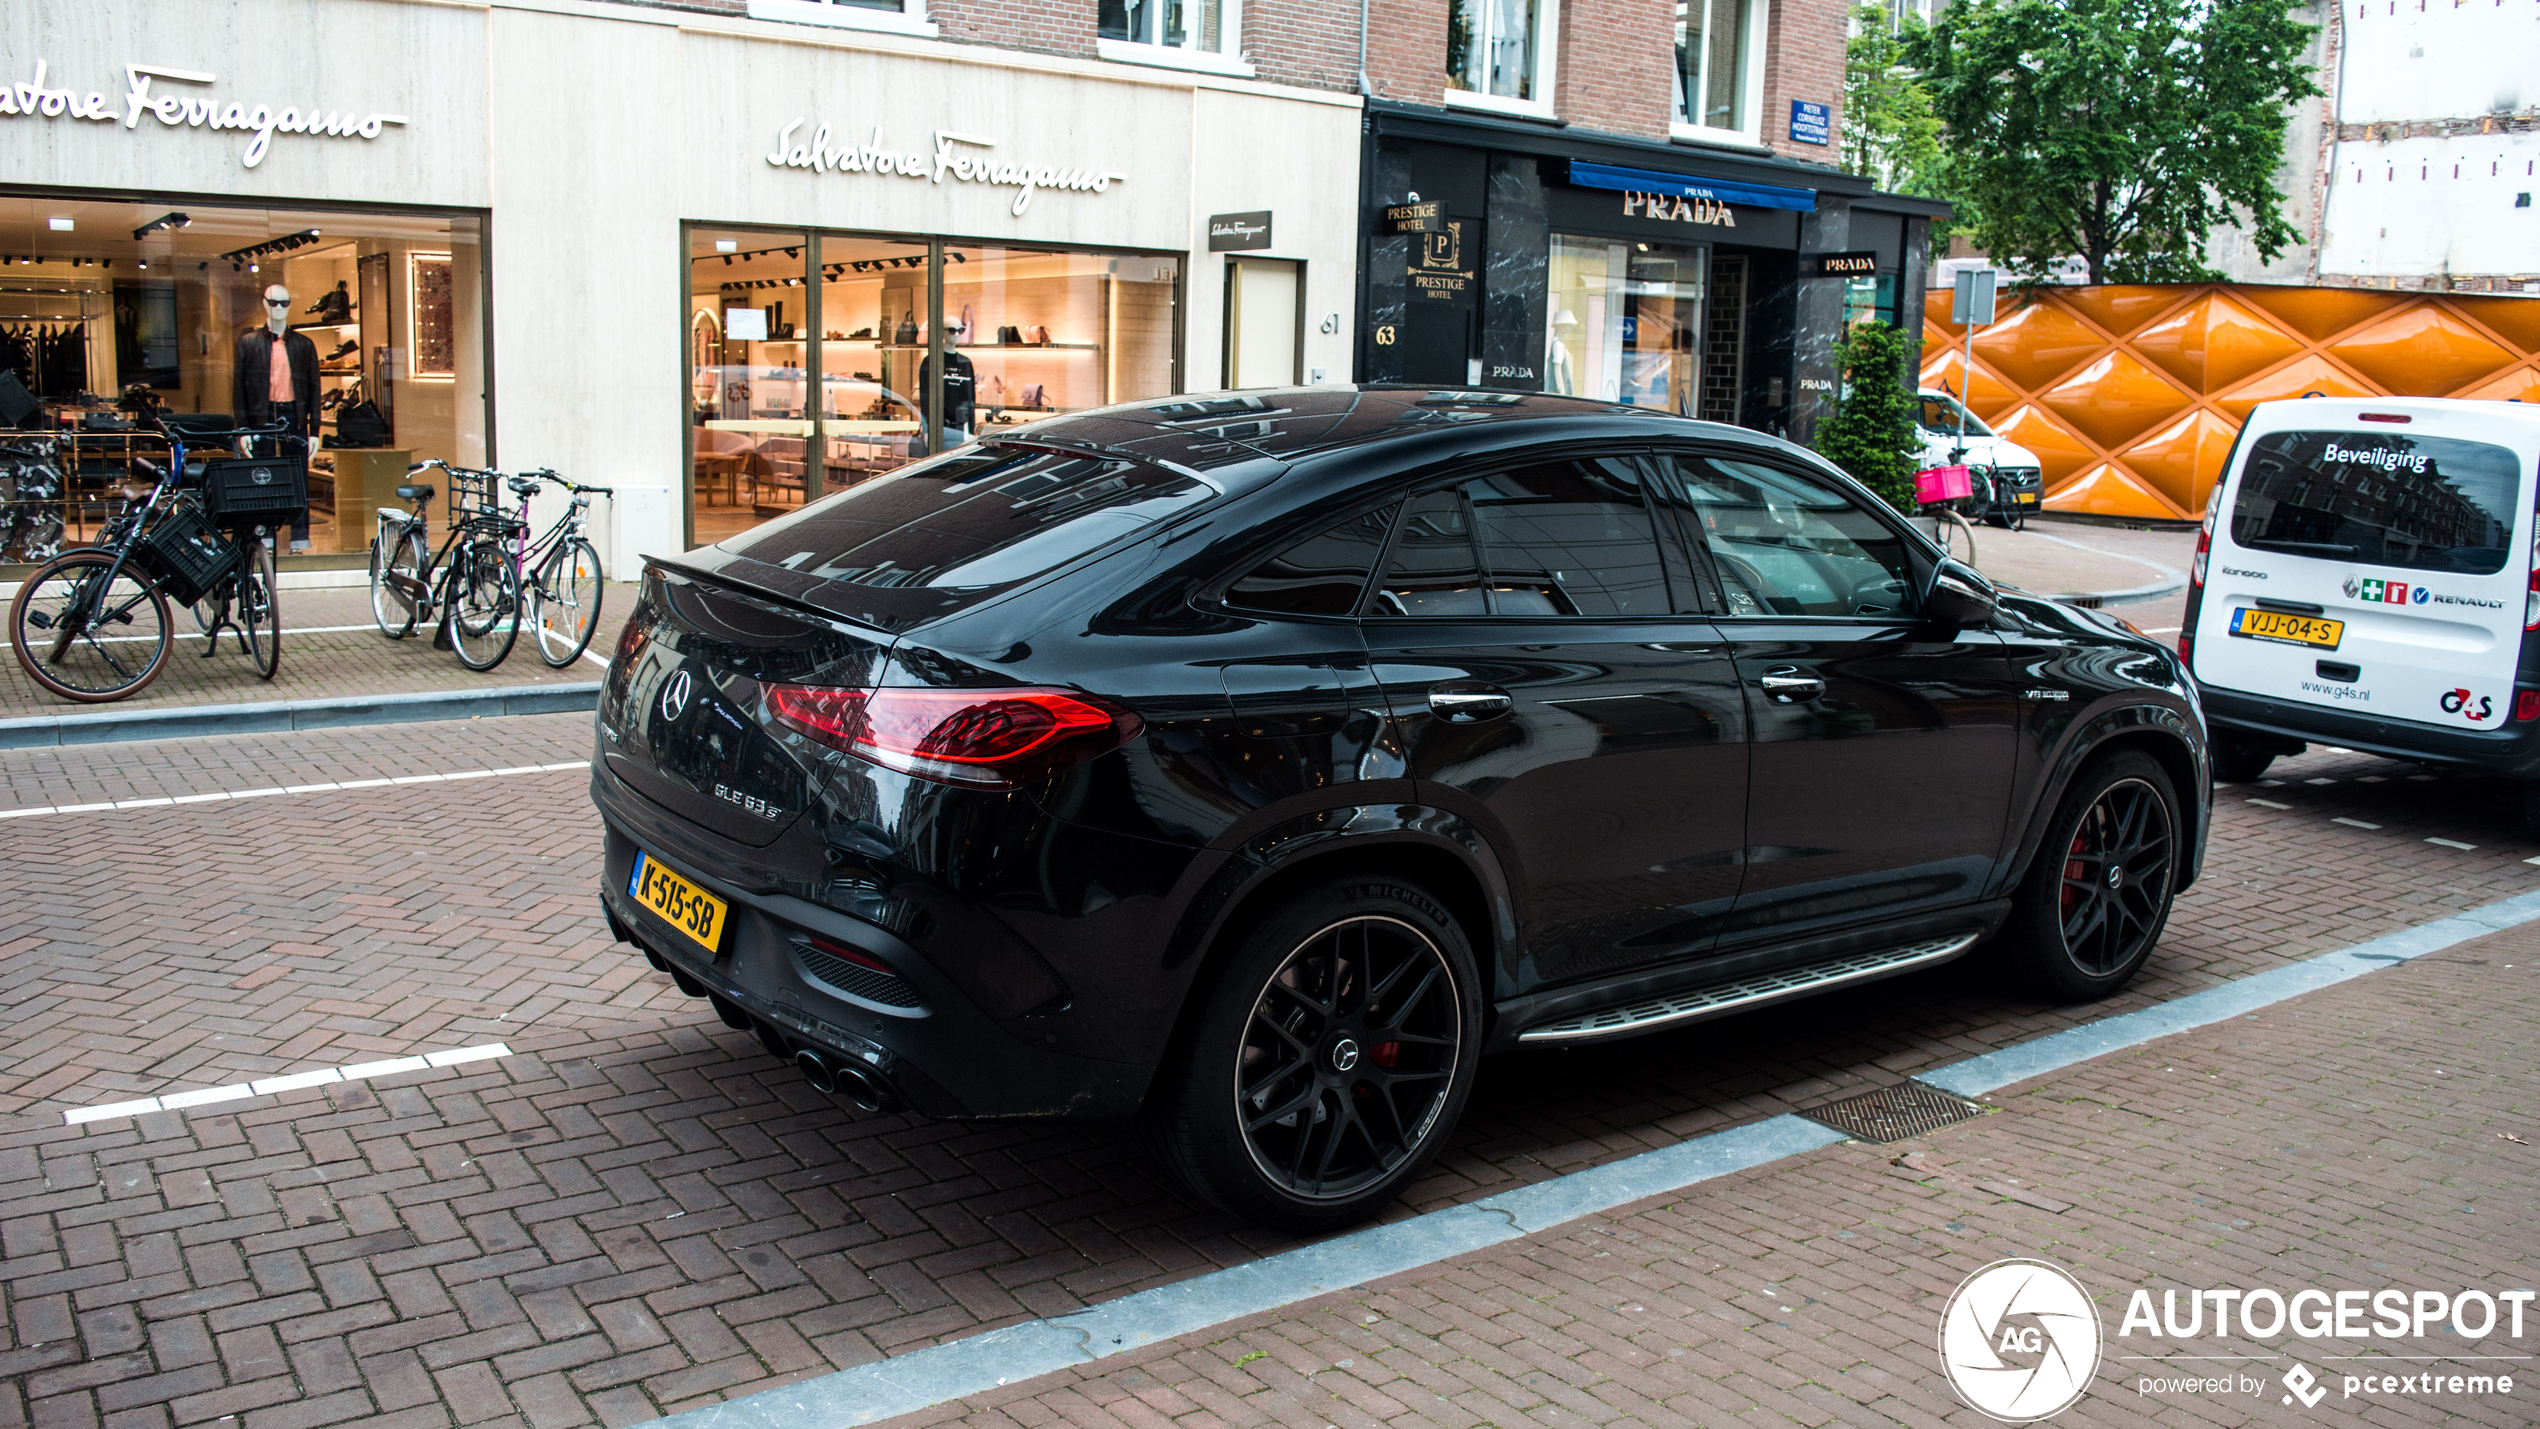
(2379, 1134)
(321, 666)
(642, 1211)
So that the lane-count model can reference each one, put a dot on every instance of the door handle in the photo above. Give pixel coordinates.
(1787, 686)
(1469, 704)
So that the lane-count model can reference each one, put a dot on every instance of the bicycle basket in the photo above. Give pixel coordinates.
(251, 491)
(475, 494)
(186, 553)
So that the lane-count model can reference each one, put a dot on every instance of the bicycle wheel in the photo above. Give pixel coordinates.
(88, 638)
(1955, 536)
(392, 605)
(260, 609)
(484, 604)
(564, 602)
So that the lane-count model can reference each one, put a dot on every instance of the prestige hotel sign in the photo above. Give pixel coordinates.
(956, 159)
(33, 98)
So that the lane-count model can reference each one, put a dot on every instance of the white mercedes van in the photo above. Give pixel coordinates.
(2367, 578)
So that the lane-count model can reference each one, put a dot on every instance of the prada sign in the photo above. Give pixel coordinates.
(1679, 208)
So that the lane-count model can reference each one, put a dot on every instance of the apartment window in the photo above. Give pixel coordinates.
(1493, 49)
(896, 16)
(1197, 33)
(1715, 64)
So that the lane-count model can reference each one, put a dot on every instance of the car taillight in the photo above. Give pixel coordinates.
(631, 641)
(2526, 705)
(2531, 602)
(983, 739)
(2187, 649)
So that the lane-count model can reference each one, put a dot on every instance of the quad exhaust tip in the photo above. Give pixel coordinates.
(845, 1078)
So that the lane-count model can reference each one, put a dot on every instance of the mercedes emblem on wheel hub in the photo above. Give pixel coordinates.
(1344, 1054)
(2116, 875)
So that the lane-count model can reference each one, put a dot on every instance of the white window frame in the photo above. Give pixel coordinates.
(1546, 49)
(908, 20)
(1228, 60)
(1758, 15)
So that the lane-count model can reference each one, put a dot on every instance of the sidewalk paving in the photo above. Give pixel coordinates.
(2377, 1134)
(331, 649)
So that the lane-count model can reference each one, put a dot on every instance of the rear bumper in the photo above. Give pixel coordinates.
(945, 1058)
(2512, 752)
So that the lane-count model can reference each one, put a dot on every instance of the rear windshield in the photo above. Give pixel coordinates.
(2379, 498)
(972, 520)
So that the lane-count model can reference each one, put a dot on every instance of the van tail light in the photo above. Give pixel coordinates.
(2187, 649)
(2204, 552)
(2526, 706)
(2531, 602)
(980, 739)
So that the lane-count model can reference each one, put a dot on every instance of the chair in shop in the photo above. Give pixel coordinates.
(727, 458)
(784, 458)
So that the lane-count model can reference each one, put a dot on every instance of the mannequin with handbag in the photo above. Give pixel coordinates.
(276, 380)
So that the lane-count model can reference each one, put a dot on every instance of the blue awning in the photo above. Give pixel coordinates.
(1650, 181)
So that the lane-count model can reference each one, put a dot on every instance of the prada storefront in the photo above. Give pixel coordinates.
(1507, 255)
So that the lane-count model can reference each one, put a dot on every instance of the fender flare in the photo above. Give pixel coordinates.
(1269, 852)
(2085, 740)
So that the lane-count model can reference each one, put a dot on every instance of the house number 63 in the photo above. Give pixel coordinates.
(1384, 335)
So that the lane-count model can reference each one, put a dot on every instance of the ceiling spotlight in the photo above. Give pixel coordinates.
(165, 220)
(253, 268)
(727, 260)
(793, 253)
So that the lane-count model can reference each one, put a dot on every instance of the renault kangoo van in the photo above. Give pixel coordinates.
(2367, 578)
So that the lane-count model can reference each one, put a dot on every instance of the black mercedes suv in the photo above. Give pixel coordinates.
(1251, 764)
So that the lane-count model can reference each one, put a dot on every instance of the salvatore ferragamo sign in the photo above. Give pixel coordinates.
(188, 109)
(954, 161)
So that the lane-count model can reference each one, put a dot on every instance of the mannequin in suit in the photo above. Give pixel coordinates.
(267, 391)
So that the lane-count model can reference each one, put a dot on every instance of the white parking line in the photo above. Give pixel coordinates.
(239, 1091)
(293, 789)
(2455, 843)
(2269, 804)
(2355, 823)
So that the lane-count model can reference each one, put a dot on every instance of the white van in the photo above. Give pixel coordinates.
(2367, 578)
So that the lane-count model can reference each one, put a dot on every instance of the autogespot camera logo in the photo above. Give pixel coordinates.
(2020, 1340)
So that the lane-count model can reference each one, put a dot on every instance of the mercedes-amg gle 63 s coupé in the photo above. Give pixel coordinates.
(1252, 764)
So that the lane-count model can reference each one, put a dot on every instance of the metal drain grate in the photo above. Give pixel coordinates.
(1894, 1113)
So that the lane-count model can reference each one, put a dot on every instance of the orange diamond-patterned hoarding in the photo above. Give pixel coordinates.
(2130, 395)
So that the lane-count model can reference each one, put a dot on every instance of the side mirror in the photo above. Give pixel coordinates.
(1958, 596)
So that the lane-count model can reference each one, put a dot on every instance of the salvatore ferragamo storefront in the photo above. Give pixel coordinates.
(410, 229)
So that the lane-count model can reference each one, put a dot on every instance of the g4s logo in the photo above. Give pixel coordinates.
(2459, 702)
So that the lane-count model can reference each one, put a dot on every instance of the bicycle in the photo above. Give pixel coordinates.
(564, 590)
(165, 543)
(469, 587)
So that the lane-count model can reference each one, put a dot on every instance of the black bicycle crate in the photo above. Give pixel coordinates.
(262, 491)
(186, 553)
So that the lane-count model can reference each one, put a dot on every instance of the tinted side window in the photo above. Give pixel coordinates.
(1321, 575)
(1568, 538)
(1433, 571)
(2378, 498)
(1789, 544)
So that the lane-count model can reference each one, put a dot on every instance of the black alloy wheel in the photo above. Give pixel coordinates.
(1345, 1065)
(2099, 894)
(1325, 1057)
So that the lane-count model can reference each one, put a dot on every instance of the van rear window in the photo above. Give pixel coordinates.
(2379, 498)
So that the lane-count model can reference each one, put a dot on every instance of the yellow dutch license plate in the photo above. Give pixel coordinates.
(681, 904)
(2028, 498)
(2288, 629)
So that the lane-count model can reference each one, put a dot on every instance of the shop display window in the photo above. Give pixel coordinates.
(1626, 321)
(381, 320)
(914, 346)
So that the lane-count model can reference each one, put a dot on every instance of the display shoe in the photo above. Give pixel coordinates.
(348, 346)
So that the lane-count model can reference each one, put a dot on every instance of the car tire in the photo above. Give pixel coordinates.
(1371, 1086)
(2080, 933)
(2237, 761)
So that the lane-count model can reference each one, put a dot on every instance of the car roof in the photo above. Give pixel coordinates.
(2516, 421)
(1285, 425)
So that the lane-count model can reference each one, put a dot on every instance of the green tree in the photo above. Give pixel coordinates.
(1890, 132)
(1871, 434)
(2123, 131)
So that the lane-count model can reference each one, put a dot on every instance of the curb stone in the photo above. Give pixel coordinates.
(283, 716)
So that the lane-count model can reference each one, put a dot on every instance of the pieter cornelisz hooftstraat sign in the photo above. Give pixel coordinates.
(1238, 232)
(186, 99)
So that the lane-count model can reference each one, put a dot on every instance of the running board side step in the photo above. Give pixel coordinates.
(1651, 1014)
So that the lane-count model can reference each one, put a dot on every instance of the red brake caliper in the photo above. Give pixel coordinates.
(2072, 872)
